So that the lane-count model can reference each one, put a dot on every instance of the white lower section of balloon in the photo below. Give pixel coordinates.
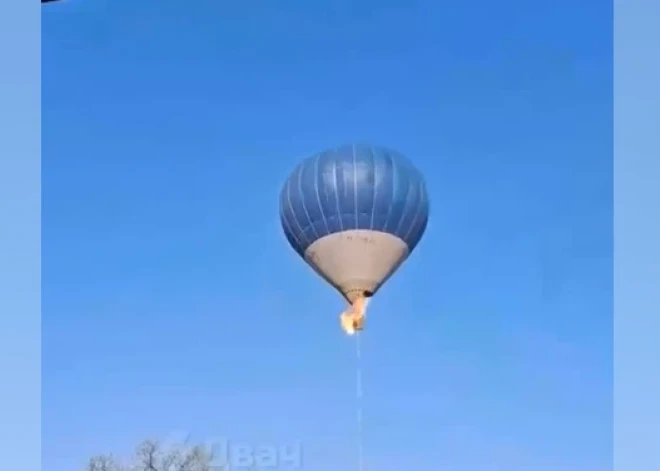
(357, 261)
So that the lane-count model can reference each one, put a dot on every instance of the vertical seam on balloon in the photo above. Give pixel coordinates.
(293, 213)
(285, 221)
(405, 208)
(302, 200)
(373, 206)
(318, 195)
(394, 182)
(287, 227)
(420, 205)
(355, 188)
(334, 174)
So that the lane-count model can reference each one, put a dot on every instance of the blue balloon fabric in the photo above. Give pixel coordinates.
(354, 187)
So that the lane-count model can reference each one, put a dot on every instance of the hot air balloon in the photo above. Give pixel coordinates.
(354, 213)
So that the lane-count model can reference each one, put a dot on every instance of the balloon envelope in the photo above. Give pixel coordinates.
(355, 213)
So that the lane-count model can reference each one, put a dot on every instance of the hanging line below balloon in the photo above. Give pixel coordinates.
(359, 401)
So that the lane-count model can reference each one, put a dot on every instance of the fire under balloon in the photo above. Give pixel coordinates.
(352, 319)
(355, 213)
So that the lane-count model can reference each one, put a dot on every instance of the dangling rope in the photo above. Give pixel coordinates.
(359, 401)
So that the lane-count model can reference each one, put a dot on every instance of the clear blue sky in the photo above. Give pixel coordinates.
(172, 302)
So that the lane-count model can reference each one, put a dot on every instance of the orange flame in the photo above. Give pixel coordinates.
(352, 320)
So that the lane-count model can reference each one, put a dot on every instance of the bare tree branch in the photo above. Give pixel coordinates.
(150, 457)
(147, 456)
(103, 463)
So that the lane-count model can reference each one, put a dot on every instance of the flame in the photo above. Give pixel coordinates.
(352, 319)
